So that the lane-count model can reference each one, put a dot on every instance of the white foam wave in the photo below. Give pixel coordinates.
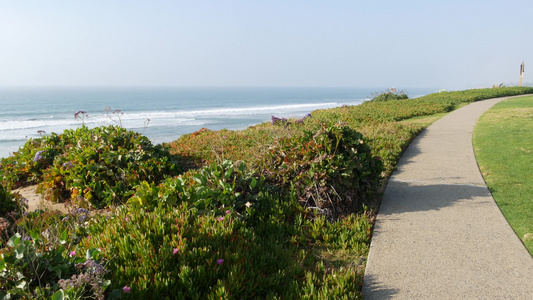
(171, 117)
(177, 121)
(232, 111)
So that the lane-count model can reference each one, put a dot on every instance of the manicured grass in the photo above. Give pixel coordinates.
(503, 143)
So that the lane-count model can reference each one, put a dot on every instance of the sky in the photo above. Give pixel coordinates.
(425, 44)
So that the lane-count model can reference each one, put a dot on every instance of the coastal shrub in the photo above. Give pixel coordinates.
(12, 206)
(205, 147)
(219, 188)
(99, 165)
(388, 95)
(332, 169)
(27, 165)
(389, 140)
(8, 201)
(42, 259)
(185, 253)
(182, 253)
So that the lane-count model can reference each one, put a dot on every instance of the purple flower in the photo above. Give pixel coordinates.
(126, 289)
(276, 120)
(73, 253)
(175, 251)
(68, 165)
(227, 212)
(81, 211)
(300, 121)
(78, 113)
(38, 156)
(220, 261)
(24, 202)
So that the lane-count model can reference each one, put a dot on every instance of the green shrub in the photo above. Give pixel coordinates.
(43, 260)
(184, 253)
(218, 188)
(388, 95)
(8, 201)
(100, 165)
(27, 165)
(332, 169)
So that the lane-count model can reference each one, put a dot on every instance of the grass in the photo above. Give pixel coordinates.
(503, 142)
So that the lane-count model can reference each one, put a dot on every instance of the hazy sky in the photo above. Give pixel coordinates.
(438, 44)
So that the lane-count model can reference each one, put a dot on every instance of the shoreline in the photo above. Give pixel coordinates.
(172, 112)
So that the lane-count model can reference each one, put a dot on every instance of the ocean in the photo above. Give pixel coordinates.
(163, 114)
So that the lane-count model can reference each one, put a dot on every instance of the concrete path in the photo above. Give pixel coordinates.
(439, 234)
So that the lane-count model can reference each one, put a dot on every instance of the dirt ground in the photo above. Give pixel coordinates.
(36, 201)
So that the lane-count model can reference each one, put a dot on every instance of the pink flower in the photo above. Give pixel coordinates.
(175, 251)
(227, 212)
(127, 219)
(221, 219)
(73, 253)
(126, 289)
(220, 261)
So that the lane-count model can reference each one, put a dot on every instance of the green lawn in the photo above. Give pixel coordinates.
(503, 142)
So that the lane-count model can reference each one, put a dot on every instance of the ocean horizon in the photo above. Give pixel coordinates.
(163, 114)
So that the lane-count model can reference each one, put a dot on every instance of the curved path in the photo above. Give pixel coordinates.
(439, 234)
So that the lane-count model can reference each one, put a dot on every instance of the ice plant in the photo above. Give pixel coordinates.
(73, 253)
(175, 251)
(227, 212)
(221, 219)
(126, 289)
(220, 261)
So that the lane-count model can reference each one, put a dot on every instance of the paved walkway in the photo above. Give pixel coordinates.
(439, 233)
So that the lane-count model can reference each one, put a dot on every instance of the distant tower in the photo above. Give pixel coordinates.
(521, 74)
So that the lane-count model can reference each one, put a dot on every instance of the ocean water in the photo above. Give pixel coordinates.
(162, 114)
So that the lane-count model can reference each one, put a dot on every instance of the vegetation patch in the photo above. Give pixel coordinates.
(92, 166)
(332, 170)
(281, 210)
(503, 142)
